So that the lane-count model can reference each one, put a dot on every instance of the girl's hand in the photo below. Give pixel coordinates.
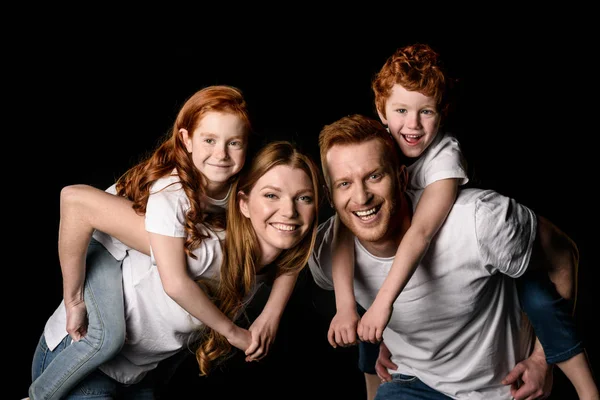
(240, 338)
(77, 321)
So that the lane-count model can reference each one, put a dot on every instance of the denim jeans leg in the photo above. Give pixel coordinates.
(103, 295)
(550, 315)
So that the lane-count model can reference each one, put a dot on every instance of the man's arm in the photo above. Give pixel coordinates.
(558, 255)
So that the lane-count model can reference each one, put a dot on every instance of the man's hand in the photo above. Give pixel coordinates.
(530, 379)
(383, 363)
(371, 325)
(77, 321)
(342, 330)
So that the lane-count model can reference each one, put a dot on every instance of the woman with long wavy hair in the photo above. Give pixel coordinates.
(147, 246)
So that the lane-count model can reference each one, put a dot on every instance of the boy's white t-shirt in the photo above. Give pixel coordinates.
(443, 159)
(157, 327)
(456, 325)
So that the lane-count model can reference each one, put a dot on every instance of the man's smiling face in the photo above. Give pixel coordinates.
(362, 188)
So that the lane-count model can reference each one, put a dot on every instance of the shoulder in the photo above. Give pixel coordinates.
(505, 229)
(168, 183)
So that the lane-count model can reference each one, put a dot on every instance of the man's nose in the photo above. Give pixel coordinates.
(361, 194)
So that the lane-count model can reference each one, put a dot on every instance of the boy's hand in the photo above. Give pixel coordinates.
(372, 324)
(342, 330)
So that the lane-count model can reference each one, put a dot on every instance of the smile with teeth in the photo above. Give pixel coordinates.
(412, 138)
(366, 215)
(284, 227)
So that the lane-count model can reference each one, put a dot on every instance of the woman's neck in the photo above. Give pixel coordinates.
(267, 257)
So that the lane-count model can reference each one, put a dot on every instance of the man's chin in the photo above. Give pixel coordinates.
(366, 234)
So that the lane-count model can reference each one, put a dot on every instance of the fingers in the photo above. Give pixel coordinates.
(369, 334)
(253, 347)
(341, 337)
(258, 354)
(331, 338)
(383, 373)
(514, 375)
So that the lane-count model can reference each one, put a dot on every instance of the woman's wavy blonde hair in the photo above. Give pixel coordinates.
(241, 248)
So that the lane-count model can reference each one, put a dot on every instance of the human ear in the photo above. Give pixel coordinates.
(243, 203)
(187, 140)
(382, 117)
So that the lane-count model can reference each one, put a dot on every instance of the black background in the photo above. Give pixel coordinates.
(88, 109)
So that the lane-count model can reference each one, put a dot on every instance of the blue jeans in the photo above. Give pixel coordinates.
(56, 373)
(99, 386)
(550, 315)
(407, 387)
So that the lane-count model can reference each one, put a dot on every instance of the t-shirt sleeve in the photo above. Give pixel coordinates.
(165, 211)
(505, 233)
(319, 262)
(445, 160)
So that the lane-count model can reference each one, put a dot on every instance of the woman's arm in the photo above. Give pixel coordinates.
(264, 328)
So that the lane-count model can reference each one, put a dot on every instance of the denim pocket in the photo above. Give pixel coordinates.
(403, 379)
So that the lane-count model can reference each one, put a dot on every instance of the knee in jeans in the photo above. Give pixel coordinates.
(536, 295)
(106, 342)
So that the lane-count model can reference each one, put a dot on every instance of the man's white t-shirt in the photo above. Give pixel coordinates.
(456, 325)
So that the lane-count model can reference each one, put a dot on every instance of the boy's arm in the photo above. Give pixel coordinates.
(431, 212)
(342, 330)
(264, 328)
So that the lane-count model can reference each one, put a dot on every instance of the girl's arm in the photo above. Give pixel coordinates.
(432, 209)
(172, 266)
(342, 330)
(84, 208)
(264, 328)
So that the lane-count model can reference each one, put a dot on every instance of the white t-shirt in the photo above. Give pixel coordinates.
(456, 325)
(443, 159)
(157, 327)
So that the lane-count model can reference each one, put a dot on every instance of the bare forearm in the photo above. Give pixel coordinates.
(74, 236)
(283, 286)
(194, 300)
(342, 267)
(408, 256)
